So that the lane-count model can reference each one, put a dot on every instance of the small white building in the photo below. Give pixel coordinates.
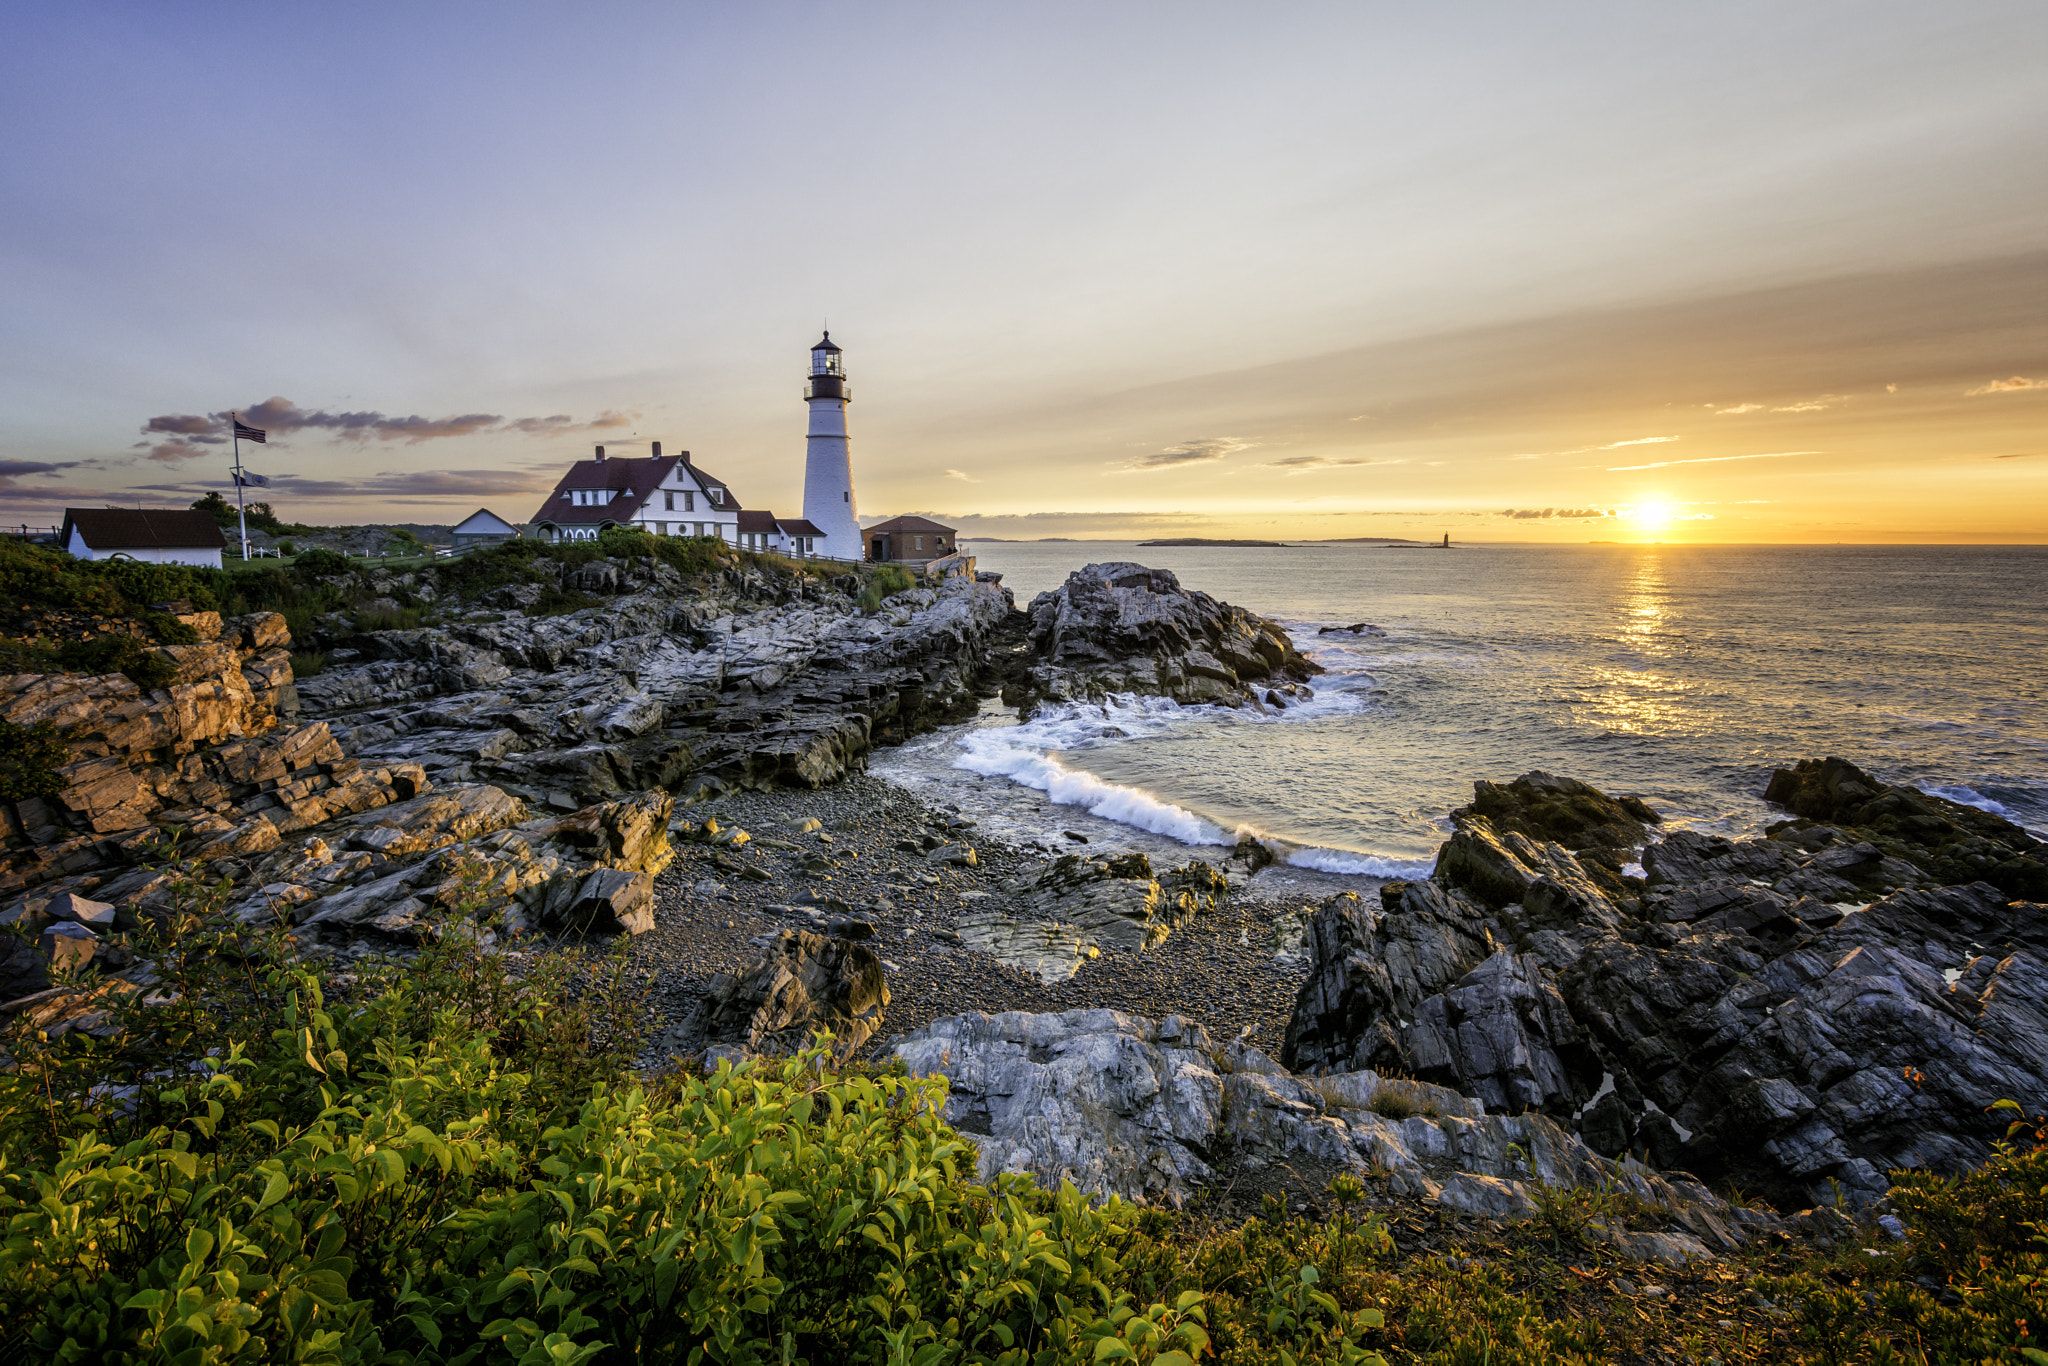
(664, 495)
(153, 535)
(791, 536)
(483, 527)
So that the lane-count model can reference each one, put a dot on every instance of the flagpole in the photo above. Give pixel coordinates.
(241, 517)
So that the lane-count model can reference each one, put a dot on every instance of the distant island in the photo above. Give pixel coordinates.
(1375, 540)
(1197, 540)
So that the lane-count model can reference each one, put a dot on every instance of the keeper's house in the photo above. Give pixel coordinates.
(910, 540)
(664, 495)
(156, 536)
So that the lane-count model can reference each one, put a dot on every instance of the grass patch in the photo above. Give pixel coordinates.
(883, 581)
(310, 664)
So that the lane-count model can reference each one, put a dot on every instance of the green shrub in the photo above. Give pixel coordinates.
(310, 664)
(169, 629)
(29, 758)
(119, 653)
(882, 583)
(287, 548)
(558, 602)
(456, 1165)
(404, 619)
(320, 563)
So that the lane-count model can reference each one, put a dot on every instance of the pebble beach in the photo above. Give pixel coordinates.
(840, 852)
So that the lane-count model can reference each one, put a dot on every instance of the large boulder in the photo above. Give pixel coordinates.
(1058, 916)
(802, 984)
(1154, 1110)
(1950, 841)
(1597, 827)
(1123, 628)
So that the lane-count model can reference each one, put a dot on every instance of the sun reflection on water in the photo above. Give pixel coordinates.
(1637, 696)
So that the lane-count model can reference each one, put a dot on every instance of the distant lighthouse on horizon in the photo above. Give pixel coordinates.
(828, 459)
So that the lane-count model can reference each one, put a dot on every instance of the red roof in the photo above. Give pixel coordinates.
(907, 524)
(140, 529)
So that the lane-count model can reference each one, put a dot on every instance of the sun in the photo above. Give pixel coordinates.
(1654, 516)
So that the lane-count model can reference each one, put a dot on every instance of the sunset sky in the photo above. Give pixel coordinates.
(1729, 272)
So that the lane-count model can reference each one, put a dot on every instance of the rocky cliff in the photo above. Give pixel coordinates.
(1822, 1004)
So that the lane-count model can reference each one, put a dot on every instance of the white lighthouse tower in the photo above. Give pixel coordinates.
(828, 461)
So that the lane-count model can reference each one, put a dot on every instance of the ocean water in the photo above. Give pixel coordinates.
(1681, 674)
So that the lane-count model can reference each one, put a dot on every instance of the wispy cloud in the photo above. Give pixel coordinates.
(1738, 408)
(2016, 455)
(1197, 452)
(1710, 460)
(14, 469)
(190, 433)
(1308, 464)
(406, 484)
(1639, 441)
(2007, 386)
(1813, 405)
(962, 475)
(1558, 514)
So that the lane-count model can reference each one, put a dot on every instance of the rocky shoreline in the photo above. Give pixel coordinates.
(1574, 997)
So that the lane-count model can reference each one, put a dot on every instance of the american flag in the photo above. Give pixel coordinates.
(244, 432)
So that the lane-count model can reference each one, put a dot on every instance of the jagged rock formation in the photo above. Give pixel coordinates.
(214, 758)
(802, 984)
(1151, 1110)
(1065, 912)
(751, 679)
(1123, 628)
(1808, 1006)
(1952, 842)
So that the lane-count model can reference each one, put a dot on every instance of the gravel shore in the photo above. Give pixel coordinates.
(713, 902)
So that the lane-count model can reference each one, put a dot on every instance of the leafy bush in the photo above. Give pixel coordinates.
(404, 619)
(29, 757)
(882, 583)
(308, 664)
(320, 563)
(455, 1165)
(119, 653)
(287, 548)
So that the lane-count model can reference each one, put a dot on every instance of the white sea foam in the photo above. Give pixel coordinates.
(996, 752)
(1968, 796)
(1025, 754)
(1363, 865)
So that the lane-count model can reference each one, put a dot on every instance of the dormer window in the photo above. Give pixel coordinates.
(717, 495)
(589, 498)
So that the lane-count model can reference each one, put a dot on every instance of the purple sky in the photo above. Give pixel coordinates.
(1741, 271)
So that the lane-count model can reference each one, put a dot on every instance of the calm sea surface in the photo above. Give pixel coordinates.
(1684, 675)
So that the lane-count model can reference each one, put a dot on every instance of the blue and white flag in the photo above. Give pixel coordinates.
(249, 479)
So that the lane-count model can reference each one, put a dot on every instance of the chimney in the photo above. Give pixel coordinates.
(657, 450)
(600, 453)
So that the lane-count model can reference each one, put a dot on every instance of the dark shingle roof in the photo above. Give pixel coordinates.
(726, 503)
(139, 529)
(633, 480)
(907, 524)
(797, 526)
(757, 523)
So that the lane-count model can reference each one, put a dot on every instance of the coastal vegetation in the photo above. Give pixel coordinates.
(456, 1161)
